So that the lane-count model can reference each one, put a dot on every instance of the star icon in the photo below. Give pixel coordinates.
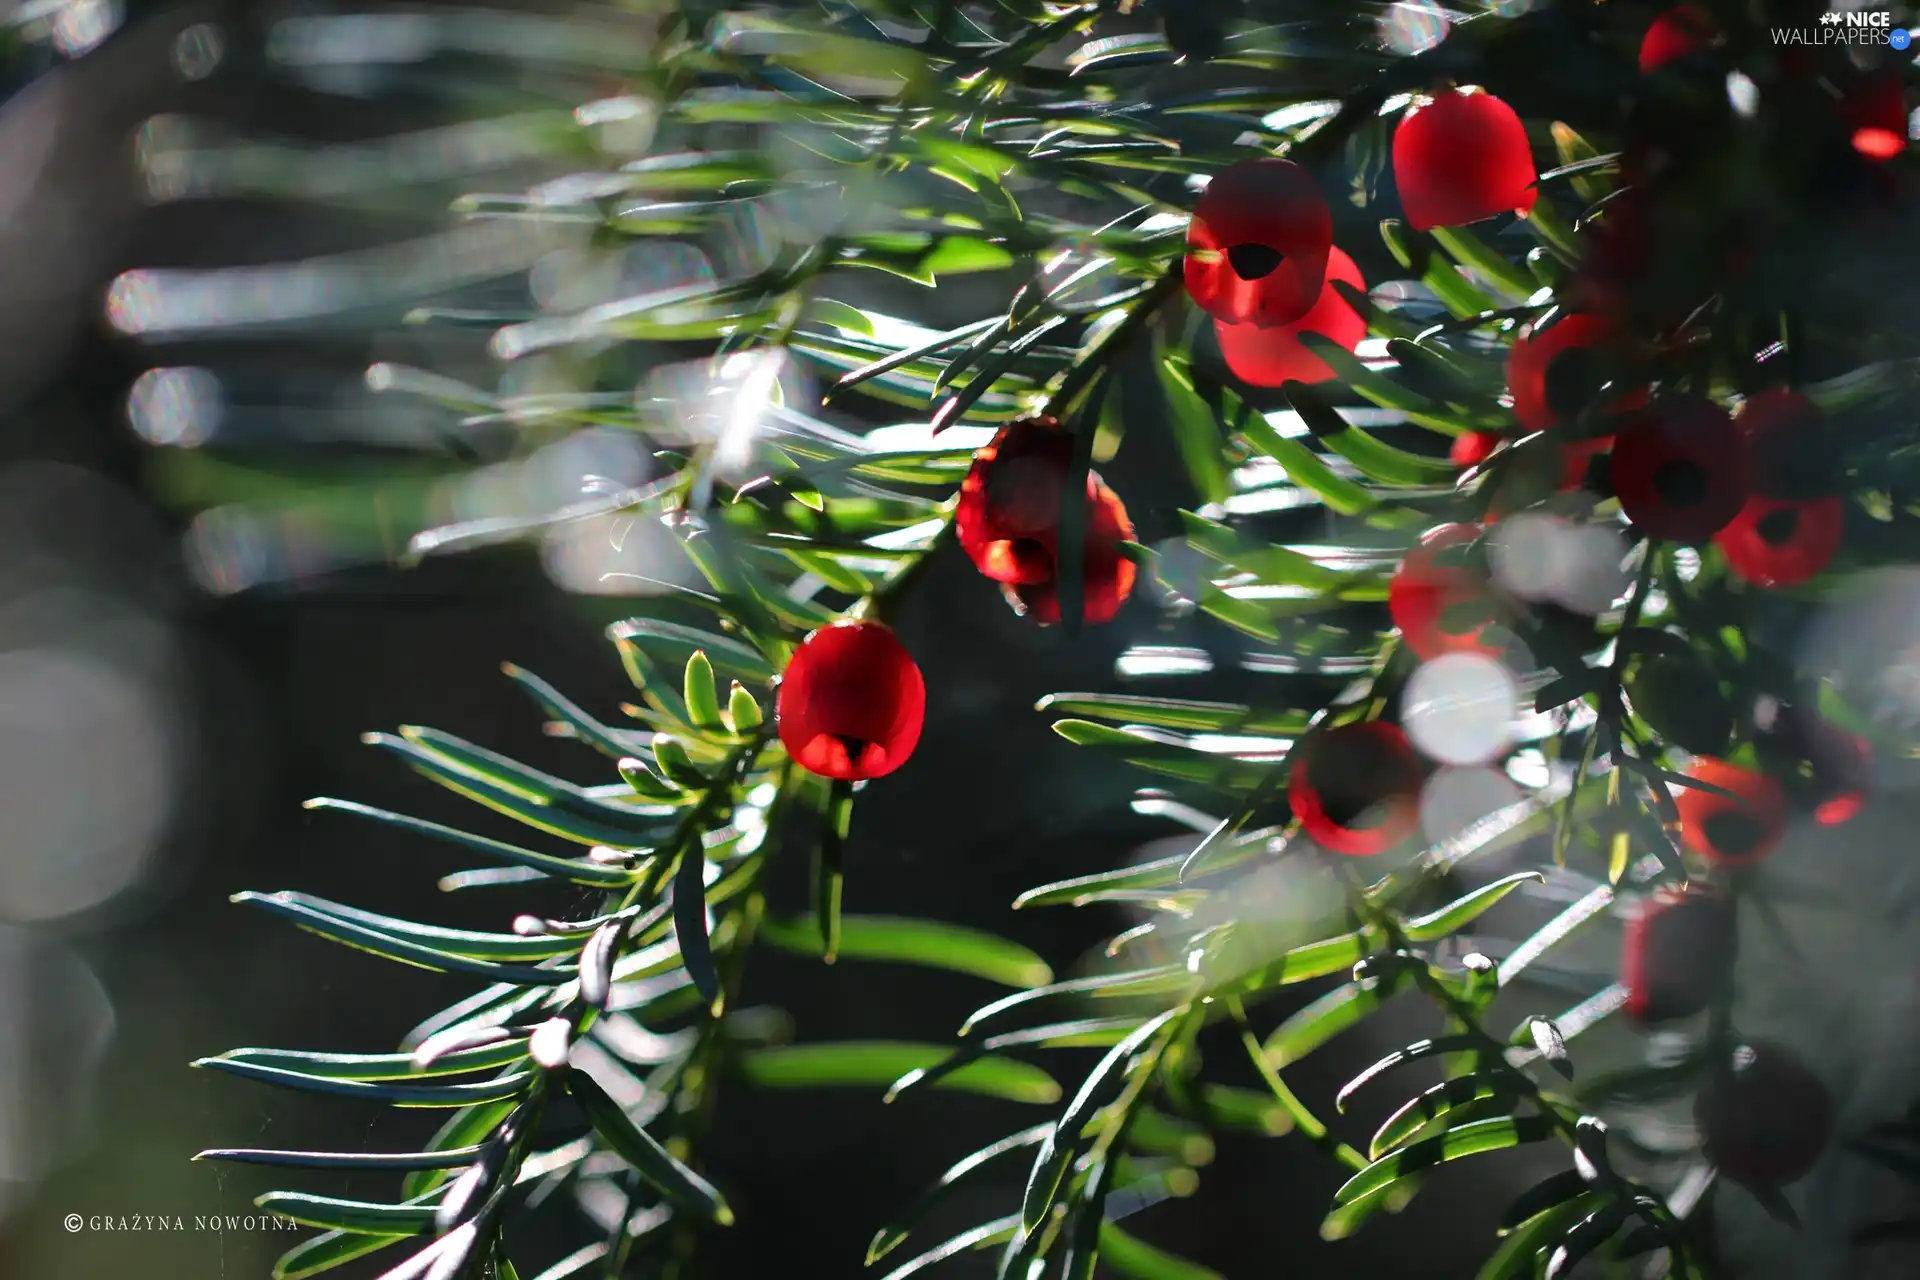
(1829, 19)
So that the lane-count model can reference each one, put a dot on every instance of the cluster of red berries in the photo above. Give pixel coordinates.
(1875, 109)
(1261, 261)
(1685, 469)
(1758, 483)
(852, 701)
(1260, 253)
(1822, 769)
(1764, 1118)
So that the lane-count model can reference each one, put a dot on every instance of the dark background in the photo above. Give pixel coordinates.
(264, 694)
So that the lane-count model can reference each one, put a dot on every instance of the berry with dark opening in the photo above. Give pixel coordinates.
(1258, 243)
(1106, 575)
(1554, 373)
(1430, 589)
(1008, 516)
(1008, 523)
(1355, 788)
(1680, 469)
(1268, 357)
(1778, 544)
(1764, 1118)
(1677, 955)
(1459, 157)
(1678, 33)
(851, 702)
(1733, 830)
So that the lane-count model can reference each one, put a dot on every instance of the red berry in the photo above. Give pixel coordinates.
(851, 702)
(1424, 590)
(1460, 157)
(1576, 456)
(1726, 831)
(1473, 448)
(1008, 522)
(1355, 788)
(1842, 769)
(1876, 116)
(1677, 955)
(1680, 469)
(1824, 769)
(1009, 509)
(1843, 808)
(1764, 1118)
(1792, 453)
(1258, 243)
(1778, 544)
(1678, 33)
(1106, 576)
(1267, 357)
(1555, 372)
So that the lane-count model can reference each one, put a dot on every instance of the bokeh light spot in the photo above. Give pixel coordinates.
(198, 51)
(1413, 26)
(87, 771)
(178, 406)
(1453, 800)
(1461, 708)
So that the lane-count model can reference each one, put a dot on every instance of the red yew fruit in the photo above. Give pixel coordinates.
(1792, 455)
(1680, 32)
(1258, 243)
(1555, 372)
(851, 702)
(1772, 543)
(1106, 575)
(1764, 1118)
(1474, 448)
(1355, 788)
(1576, 457)
(1268, 357)
(1680, 469)
(1009, 509)
(1677, 955)
(1839, 773)
(1424, 591)
(1824, 769)
(1726, 831)
(1459, 157)
(1008, 523)
(1876, 115)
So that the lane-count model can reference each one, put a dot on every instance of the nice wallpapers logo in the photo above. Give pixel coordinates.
(1848, 28)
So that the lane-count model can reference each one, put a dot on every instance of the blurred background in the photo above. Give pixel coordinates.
(219, 227)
